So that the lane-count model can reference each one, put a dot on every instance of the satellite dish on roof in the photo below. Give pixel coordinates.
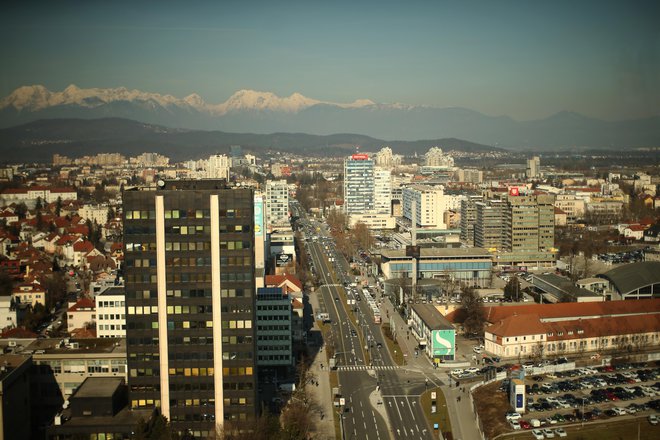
(160, 183)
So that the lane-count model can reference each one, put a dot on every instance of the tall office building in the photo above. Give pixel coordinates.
(430, 205)
(469, 218)
(533, 167)
(218, 167)
(277, 204)
(530, 223)
(382, 191)
(489, 224)
(358, 184)
(520, 227)
(190, 303)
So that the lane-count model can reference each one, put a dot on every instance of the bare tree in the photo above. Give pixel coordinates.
(473, 312)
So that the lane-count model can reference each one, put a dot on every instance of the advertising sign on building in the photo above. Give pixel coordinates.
(361, 156)
(282, 260)
(258, 217)
(443, 342)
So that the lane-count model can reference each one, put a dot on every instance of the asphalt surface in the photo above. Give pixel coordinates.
(368, 377)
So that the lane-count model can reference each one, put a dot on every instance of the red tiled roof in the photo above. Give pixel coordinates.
(83, 246)
(296, 304)
(278, 280)
(519, 325)
(573, 310)
(19, 333)
(83, 303)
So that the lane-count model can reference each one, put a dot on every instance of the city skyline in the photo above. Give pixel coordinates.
(514, 59)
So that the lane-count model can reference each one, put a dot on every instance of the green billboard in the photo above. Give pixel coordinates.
(444, 342)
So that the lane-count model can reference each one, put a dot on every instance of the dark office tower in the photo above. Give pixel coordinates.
(190, 303)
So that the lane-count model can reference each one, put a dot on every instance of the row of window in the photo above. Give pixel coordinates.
(110, 303)
(262, 318)
(191, 402)
(191, 372)
(274, 337)
(269, 307)
(111, 316)
(188, 277)
(275, 357)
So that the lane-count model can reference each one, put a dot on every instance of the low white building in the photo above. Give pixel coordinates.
(111, 313)
(81, 314)
(7, 313)
(95, 213)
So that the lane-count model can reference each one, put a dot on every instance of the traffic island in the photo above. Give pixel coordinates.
(435, 410)
(392, 345)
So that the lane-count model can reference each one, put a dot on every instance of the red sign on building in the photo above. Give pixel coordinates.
(360, 156)
(513, 191)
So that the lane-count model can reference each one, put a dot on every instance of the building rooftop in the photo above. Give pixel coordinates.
(633, 276)
(568, 311)
(98, 387)
(438, 252)
(85, 346)
(432, 317)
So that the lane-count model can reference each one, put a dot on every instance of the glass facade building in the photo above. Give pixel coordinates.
(190, 303)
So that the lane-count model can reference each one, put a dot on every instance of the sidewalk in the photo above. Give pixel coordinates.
(321, 394)
(461, 413)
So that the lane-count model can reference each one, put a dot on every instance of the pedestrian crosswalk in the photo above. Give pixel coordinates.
(366, 367)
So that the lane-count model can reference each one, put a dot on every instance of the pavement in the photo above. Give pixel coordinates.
(321, 394)
(461, 414)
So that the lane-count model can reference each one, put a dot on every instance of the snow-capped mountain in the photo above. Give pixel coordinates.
(37, 97)
(251, 111)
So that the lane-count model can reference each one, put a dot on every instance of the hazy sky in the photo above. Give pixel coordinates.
(526, 59)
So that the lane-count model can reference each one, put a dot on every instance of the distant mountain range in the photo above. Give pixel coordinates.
(250, 111)
(37, 141)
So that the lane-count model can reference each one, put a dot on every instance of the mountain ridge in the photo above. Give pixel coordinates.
(265, 112)
(79, 137)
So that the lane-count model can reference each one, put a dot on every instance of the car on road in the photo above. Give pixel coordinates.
(654, 419)
(538, 434)
(336, 299)
(457, 371)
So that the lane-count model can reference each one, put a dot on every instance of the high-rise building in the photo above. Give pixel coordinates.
(436, 158)
(190, 303)
(385, 158)
(430, 205)
(277, 203)
(520, 227)
(274, 331)
(382, 191)
(358, 184)
(530, 223)
(469, 218)
(218, 167)
(489, 224)
(533, 167)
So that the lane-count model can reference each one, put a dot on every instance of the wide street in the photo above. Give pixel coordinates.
(367, 387)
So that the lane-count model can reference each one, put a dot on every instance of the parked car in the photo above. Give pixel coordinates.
(548, 433)
(561, 432)
(538, 434)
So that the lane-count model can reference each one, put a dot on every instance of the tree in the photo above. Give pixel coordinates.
(473, 312)
(39, 205)
(6, 284)
(58, 206)
(336, 220)
(362, 236)
(512, 289)
(21, 210)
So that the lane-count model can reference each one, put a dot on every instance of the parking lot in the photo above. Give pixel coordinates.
(587, 394)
